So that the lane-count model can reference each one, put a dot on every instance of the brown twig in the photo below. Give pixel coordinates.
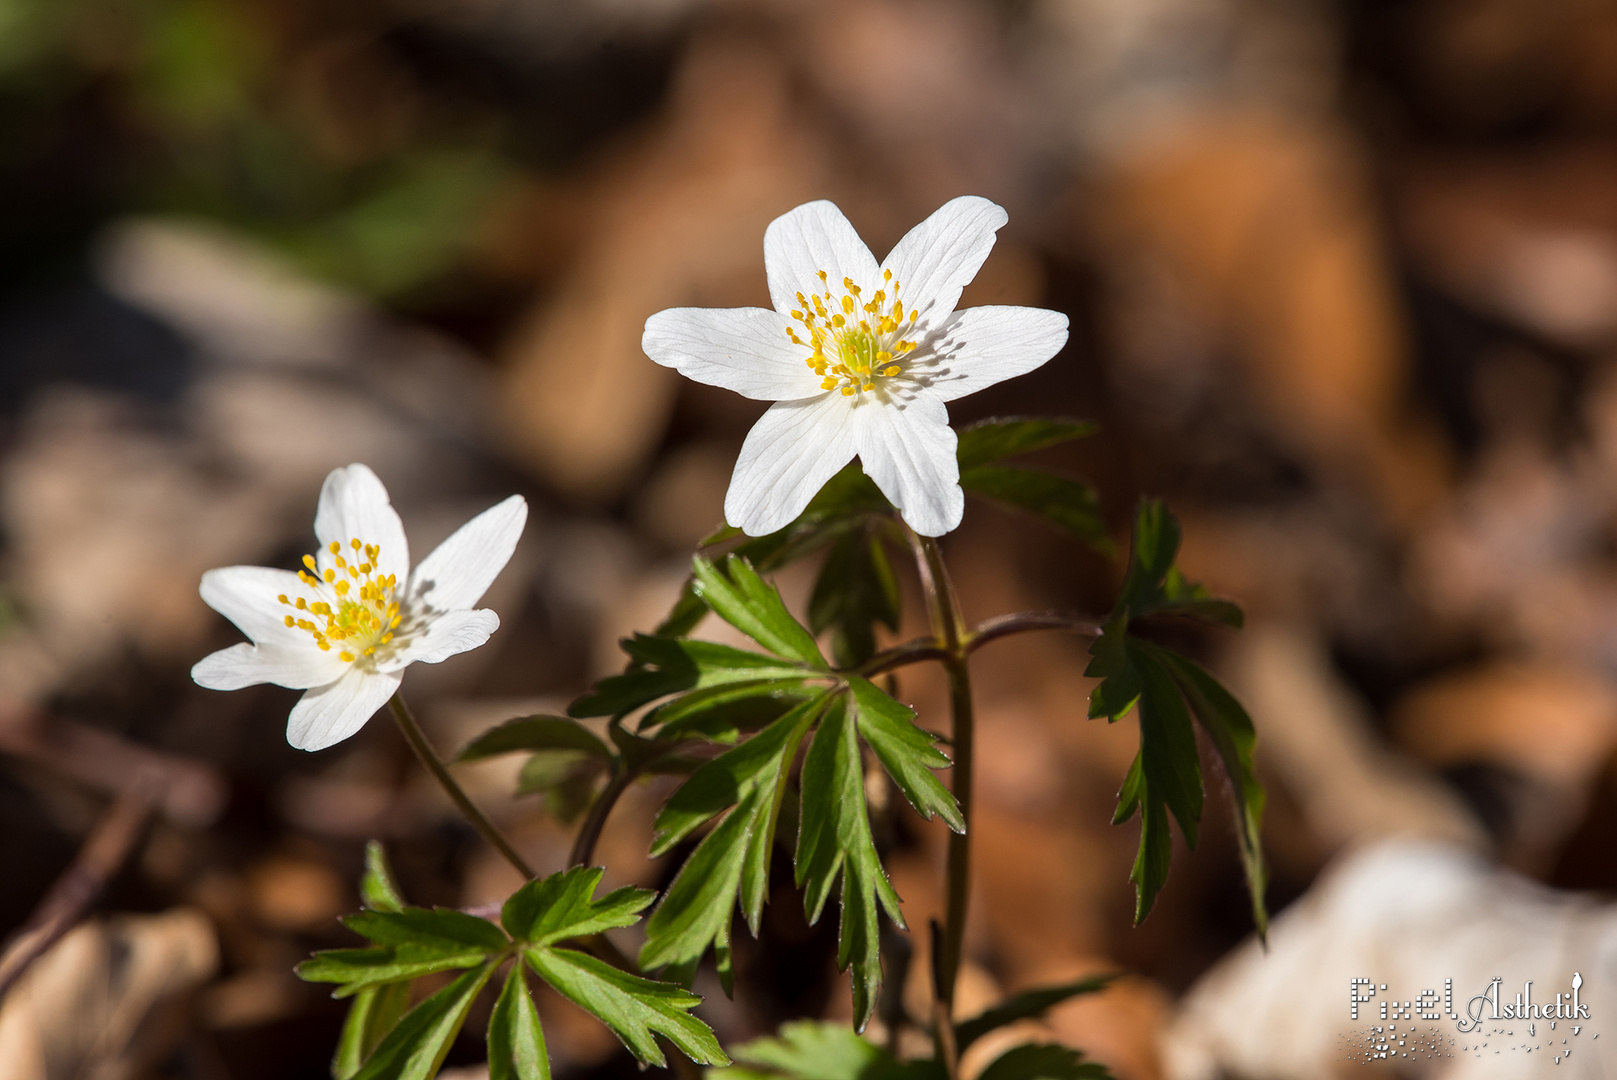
(102, 855)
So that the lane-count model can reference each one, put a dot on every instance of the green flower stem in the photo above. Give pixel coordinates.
(590, 831)
(423, 750)
(950, 629)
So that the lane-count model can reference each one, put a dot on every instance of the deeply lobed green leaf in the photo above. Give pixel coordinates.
(1063, 501)
(417, 1045)
(821, 1050)
(744, 600)
(516, 1042)
(1001, 437)
(535, 733)
(563, 906)
(636, 1009)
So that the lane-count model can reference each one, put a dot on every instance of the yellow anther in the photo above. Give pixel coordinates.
(323, 643)
(342, 588)
(354, 543)
(308, 560)
(393, 624)
(346, 657)
(282, 598)
(847, 391)
(330, 576)
(334, 546)
(838, 321)
(868, 386)
(887, 275)
(828, 384)
(290, 622)
(341, 562)
(386, 638)
(822, 276)
(894, 370)
(364, 568)
(370, 650)
(847, 305)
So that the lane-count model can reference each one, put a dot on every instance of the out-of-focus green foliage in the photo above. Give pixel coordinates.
(296, 124)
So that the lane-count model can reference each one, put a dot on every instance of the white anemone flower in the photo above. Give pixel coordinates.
(346, 626)
(859, 359)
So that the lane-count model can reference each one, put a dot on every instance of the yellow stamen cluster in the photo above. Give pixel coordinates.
(855, 341)
(364, 615)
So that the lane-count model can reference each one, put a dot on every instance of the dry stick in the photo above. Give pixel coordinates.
(103, 853)
(423, 750)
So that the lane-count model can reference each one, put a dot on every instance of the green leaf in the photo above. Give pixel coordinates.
(636, 1009)
(441, 928)
(1067, 503)
(1024, 1006)
(357, 970)
(1044, 1061)
(1112, 664)
(566, 779)
(906, 751)
(744, 600)
(820, 1050)
(376, 886)
(1128, 796)
(516, 1042)
(417, 1045)
(372, 1015)
(670, 665)
(722, 714)
(532, 733)
(1166, 774)
(722, 782)
(855, 590)
(834, 837)
(1007, 436)
(1230, 730)
(1151, 554)
(562, 906)
(687, 613)
(734, 857)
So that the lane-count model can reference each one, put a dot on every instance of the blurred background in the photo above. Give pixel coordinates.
(1342, 280)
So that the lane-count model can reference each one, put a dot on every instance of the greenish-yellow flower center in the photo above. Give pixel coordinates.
(352, 604)
(856, 342)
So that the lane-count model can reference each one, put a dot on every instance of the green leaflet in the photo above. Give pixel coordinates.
(636, 1009)
(820, 1050)
(834, 838)
(535, 733)
(417, 1045)
(665, 666)
(854, 591)
(1165, 779)
(722, 714)
(1023, 1006)
(1001, 437)
(376, 1009)
(734, 857)
(516, 1043)
(561, 906)
(376, 885)
(906, 752)
(744, 600)
(1230, 730)
(1044, 1061)
(380, 1040)
(1064, 501)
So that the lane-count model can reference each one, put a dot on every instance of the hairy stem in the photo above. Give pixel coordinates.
(423, 750)
(949, 627)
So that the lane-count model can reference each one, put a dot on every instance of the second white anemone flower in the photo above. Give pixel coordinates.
(859, 359)
(346, 626)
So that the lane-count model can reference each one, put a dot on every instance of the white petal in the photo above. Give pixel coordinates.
(790, 453)
(329, 714)
(443, 636)
(814, 237)
(460, 570)
(354, 505)
(939, 256)
(249, 597)
(740, 349)
(910, 452)
(248, 665)
(985, 345)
